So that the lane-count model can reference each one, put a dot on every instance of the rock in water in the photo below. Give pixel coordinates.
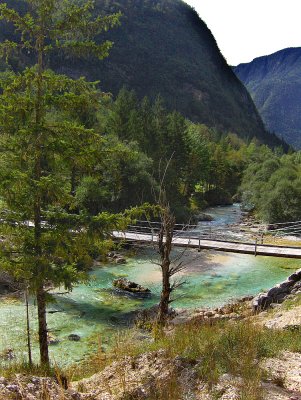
(128, 286)
(205, 217)
(74, 337)
(116, 258)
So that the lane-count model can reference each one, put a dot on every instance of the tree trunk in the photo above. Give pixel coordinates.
(73, 182)
(41, 303)
(165, 245)
(165, 294)
(28, 328)
(40, 115)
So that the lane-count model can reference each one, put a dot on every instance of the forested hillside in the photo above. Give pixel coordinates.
(163, 47)
(204, 167)
(271, 186)
(275, 85)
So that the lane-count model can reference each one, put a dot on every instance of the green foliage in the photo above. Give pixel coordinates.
(68, 26)
(41, 141)
(271, 185)
(199, 167)
(61, 250)
(122, 177)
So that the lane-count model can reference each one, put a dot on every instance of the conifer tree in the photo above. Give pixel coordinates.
(44, 241)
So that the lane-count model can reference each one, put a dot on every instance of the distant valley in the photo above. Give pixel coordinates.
(274, 82)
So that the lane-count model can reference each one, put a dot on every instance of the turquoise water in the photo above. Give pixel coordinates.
(96, 311)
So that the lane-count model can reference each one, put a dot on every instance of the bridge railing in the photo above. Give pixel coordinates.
(187, 231)
(157, 225)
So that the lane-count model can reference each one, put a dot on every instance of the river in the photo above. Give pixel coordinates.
(95, 312)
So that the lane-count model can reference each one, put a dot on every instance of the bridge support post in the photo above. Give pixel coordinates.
(199, 249)
(255, 251)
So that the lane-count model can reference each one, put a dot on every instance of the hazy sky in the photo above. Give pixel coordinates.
(245, 30)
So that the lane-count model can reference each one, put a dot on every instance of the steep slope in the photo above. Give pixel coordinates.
(274, 83)
(162, 46)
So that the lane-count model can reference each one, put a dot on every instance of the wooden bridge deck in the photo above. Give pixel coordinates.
(227, 246)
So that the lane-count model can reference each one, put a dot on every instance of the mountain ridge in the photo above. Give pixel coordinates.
(274, 83)
(163, 47)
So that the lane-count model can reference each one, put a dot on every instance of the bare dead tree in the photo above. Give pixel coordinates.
(168, 266)
(165, 237)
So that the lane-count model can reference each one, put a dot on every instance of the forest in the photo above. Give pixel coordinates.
(271, 186)
(206, 167)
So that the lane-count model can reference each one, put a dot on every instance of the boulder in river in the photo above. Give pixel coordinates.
(205, 217)
(128, 286)
(74, 337)
(116, 258)
(120, 260)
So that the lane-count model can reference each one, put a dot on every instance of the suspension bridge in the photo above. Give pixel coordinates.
(217, 239)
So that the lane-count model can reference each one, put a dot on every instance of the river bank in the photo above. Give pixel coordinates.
(213, 279)
(250, 361)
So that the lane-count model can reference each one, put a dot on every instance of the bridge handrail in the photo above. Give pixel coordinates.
(211, 231)
(227, 241)
(138, 227)
(206, 231)
(148, 223)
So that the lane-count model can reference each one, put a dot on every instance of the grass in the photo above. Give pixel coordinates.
(235, 348)
(291, 303)
(280, 241)
(9, 370)
(194, 340)
(215, 348)
(21, 372)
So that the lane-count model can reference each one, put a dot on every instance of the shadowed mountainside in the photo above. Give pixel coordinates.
(274, 82)
(163, 47)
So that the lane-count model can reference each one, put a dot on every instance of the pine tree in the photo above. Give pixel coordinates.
(45, 242)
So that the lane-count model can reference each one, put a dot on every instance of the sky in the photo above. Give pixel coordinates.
(245, 29)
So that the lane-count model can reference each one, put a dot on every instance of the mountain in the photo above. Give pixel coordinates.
(163, 47)
(274, 82)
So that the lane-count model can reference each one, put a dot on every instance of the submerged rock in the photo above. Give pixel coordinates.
(74, 337)
(129, 286)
